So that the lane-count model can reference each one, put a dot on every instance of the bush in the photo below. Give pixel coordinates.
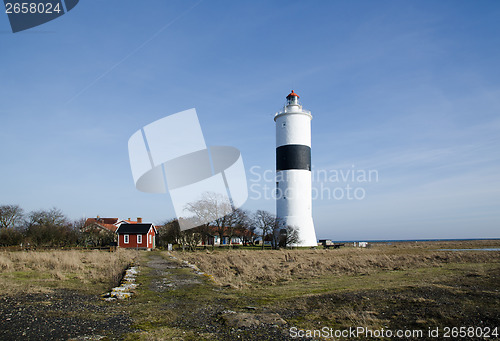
(51, 235)
(10, 237)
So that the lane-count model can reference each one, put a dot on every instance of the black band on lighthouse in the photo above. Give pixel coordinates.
(293, 156)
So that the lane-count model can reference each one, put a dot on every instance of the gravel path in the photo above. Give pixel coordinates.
(60, 315)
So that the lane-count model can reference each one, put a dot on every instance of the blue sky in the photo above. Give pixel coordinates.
(410, 89)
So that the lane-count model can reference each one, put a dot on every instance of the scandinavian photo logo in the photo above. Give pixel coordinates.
(327, 184)
(171, 154)
(26, 14)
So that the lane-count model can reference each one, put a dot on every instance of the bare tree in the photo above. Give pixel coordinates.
(289, 236)
(11, 216)
(169, 232)
(213, 209)
(79, 224)
(50, 228)
(266, 222)
(54, 217)
(251, 234)
(237, 222)
(216, 213)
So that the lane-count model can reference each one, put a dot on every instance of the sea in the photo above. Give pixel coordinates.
(410, 240)
(390, 241)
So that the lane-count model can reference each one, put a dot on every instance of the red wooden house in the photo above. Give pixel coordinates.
(137, 236)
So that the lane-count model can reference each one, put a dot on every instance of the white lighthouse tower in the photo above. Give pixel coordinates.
(293, 169)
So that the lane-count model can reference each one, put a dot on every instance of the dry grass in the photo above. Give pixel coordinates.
(39, 271)
(247, 268)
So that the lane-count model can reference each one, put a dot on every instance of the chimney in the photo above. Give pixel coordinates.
(139, 220)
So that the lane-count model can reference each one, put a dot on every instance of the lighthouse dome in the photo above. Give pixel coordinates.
(292, 94)
(292, 98)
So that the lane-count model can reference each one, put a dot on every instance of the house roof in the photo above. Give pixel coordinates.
(128, 221)
(135, 228)
(105, 223)
(102, 220)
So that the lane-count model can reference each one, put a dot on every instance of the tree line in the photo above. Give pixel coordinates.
(44, 228)
(52, 228)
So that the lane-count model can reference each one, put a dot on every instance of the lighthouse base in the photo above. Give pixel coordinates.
(305, 226)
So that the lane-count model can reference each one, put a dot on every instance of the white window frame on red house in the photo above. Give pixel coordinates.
(139, 239)
(150, 239)
(125, 238)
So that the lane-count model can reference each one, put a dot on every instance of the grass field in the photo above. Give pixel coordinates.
(244, 268)
(41, 271)
(402, 286)
(398, 286)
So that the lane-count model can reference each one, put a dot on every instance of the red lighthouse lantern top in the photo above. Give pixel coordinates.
(292, 99)
(291, 95)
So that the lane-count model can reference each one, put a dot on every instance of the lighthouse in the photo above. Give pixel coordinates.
(293, 169)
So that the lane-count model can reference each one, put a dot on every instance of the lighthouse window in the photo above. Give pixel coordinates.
(284, 124)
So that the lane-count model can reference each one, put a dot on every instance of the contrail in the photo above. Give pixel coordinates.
(134, 51)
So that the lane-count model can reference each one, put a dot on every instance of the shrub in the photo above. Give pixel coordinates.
(10, 237)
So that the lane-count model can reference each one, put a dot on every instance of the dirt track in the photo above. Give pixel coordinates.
(205, 310)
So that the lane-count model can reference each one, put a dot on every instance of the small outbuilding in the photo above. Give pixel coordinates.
(137, 236)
